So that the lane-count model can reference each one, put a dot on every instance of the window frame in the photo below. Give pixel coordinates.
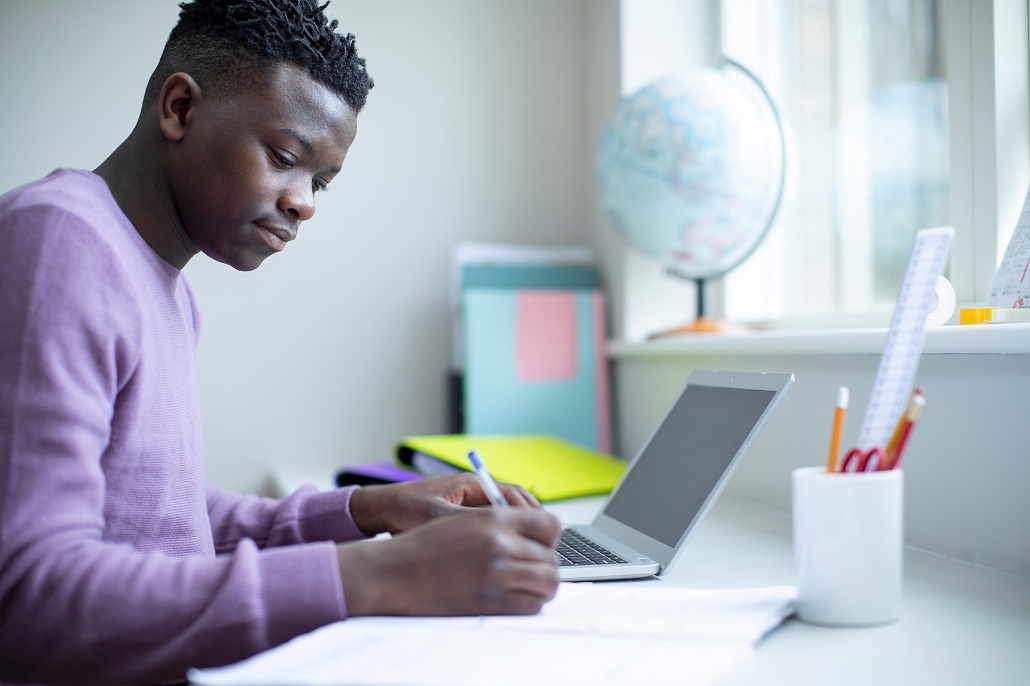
(990, 140)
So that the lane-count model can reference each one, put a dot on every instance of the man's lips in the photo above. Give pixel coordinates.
(276, 236)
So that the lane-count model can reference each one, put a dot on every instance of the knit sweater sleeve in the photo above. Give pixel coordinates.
(304, 516)
(76, 605)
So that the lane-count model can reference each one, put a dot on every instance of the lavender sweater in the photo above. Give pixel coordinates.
(117, 563)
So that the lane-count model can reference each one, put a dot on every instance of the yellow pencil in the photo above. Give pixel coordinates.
(838, 426)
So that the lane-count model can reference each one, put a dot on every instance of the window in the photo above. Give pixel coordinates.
(901, 114)
(864, 89)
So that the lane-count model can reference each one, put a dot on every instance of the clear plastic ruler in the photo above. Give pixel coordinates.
(900, 358)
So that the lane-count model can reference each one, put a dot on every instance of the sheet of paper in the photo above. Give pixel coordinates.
(590, 633)
(1011, 285)
(653, 611)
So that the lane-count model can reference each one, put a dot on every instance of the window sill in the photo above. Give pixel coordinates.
(983, 339)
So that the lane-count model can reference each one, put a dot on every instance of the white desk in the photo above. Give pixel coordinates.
(961, 624)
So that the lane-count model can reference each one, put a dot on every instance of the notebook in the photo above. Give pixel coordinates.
(677, 476)
(546, 466)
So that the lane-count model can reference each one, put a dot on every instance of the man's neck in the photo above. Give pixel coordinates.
(136, 180)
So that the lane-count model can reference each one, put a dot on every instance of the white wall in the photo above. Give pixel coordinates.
(966, 467)
(479, 128)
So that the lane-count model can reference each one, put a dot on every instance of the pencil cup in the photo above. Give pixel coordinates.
(848, 546)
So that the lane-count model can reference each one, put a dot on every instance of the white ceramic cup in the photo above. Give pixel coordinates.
(848, 546)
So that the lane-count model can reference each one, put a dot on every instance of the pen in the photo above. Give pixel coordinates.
(915, 408)
(487, 481)
(838, 425)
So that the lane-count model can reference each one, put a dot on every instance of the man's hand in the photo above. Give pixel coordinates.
(480, 561)
(398, 507)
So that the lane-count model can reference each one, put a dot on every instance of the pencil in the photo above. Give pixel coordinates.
(893, 442)
(915, 408)
(838, 426)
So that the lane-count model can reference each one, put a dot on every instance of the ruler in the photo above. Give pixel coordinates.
(900, 358)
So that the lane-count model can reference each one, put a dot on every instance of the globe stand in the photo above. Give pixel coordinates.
(701, 324)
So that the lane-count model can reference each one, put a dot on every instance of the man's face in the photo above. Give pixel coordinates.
(245, 174)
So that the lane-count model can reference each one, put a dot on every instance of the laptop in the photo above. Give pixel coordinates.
(675, 478)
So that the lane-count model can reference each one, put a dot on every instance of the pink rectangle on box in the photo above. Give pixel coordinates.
(545, 335)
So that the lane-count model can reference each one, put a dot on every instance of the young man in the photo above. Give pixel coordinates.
(117, 563)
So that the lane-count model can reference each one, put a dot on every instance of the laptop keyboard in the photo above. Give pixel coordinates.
(575, 550)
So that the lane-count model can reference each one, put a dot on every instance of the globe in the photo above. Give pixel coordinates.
(691, 170)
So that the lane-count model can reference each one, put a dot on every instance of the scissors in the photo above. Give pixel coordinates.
(863, 461)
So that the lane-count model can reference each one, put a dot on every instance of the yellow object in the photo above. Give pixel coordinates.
(838, 425)
(975, 315)
(547, 467)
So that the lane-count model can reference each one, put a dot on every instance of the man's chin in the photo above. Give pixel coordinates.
(246, 262)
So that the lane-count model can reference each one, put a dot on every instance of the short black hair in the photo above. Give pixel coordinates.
(226, 45)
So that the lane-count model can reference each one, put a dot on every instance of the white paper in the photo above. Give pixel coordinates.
(590, 633)
(1011, 285)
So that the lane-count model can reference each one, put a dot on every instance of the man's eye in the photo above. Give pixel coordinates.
(317, 185)
(282, 159)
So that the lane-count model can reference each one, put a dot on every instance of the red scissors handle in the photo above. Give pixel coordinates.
(863, 461)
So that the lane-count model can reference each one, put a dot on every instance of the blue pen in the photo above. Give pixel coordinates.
(487, 481)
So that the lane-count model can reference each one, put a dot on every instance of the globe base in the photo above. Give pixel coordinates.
(700, 325)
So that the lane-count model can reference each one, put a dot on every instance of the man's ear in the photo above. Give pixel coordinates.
(176, 103)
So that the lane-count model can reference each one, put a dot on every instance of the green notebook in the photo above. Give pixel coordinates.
(547, 467)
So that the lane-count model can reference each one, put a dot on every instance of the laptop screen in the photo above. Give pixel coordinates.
(679, 468)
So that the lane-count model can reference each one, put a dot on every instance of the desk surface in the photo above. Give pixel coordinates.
(960, 624)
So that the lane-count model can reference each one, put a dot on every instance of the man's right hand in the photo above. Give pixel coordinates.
(481, 562)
